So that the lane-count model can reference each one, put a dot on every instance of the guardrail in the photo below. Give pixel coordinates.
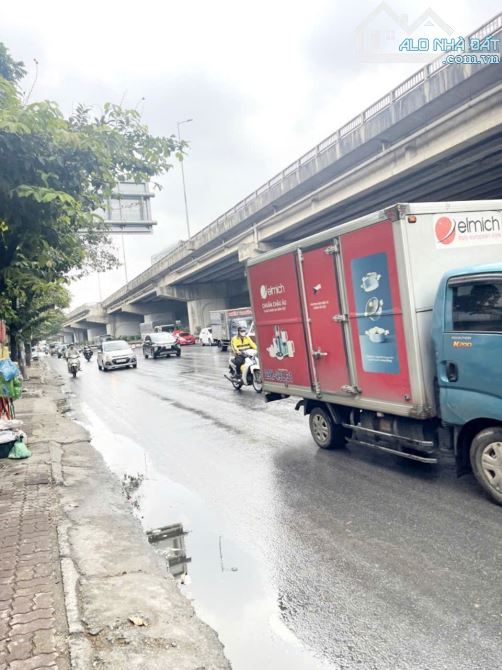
(329, 142)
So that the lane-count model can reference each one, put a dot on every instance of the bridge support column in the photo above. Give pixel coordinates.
(95, 331)
(69, 335)
(198, 312)
(124, 325)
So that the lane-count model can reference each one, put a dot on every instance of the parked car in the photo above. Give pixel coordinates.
(206, 337)
(115, 354)
(160, 344)
(184, 337)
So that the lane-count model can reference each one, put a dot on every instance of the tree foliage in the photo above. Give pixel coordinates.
(56, 174)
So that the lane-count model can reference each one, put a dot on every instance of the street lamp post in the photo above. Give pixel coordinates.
(179, 123)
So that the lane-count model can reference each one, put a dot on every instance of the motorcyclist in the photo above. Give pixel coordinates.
(238, 345)
(72, 355)
(87, 351)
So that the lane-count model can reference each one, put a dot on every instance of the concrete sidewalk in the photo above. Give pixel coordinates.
(75, 565)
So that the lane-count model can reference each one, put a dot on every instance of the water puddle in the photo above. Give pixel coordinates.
(229, 588)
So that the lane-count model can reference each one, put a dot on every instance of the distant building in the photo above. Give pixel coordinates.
(128, 210)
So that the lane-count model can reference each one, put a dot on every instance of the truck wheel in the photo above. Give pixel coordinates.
(486, 460)
(326, 433)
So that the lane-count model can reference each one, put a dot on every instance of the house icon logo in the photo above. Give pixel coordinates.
(380, 34)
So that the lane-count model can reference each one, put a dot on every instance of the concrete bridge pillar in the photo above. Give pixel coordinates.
(198, 312)
(124, 325)
(95, 331)
(73, 334)
(68, 335)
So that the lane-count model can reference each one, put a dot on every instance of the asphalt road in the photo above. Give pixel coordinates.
(301, 559)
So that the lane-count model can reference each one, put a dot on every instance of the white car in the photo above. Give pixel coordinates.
(206, 337)
(115, 354)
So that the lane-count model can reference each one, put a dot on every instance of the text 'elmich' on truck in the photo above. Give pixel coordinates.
(389, 329)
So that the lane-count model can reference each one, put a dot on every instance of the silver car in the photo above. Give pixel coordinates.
(115, 354)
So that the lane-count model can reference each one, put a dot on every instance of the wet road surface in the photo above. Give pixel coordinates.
(301, 559)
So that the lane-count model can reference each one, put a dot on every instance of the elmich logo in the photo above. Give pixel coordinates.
(445, 230)
(267, 291)
(474, 228)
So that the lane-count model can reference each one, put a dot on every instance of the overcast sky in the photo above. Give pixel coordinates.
(264, 81)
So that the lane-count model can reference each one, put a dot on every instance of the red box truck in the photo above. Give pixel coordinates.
(389, 329)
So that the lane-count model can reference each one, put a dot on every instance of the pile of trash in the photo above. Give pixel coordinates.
(13, 439)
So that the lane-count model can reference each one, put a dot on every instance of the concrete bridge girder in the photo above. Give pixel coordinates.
(187, 292)
(129, 309)
(250, 249)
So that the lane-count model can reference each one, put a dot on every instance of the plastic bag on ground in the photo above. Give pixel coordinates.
(19, 450)
(8, 369)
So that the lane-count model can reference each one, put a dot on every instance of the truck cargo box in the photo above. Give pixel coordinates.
(345, 315)
(224, 324)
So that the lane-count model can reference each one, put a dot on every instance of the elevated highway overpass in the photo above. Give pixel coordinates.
(437, 136)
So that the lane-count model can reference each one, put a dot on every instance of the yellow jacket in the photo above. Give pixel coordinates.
(239, 344)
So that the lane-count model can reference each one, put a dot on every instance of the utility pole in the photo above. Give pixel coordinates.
(179, 123)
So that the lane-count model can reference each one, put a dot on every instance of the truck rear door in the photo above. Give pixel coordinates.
(324, 318)
(277, 306)
(470, 360)
(375, 313)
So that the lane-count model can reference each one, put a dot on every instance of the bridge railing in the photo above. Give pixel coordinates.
(325, 145)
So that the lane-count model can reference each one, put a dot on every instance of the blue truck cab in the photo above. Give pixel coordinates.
(467, 339)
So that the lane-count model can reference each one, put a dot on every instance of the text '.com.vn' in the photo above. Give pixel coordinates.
(467, 51)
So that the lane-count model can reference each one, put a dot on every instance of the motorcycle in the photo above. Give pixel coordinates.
(73, 366)
(250, 372)
(88, 354)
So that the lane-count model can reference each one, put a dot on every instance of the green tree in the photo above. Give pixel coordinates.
(56, 174)
(38, 310)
